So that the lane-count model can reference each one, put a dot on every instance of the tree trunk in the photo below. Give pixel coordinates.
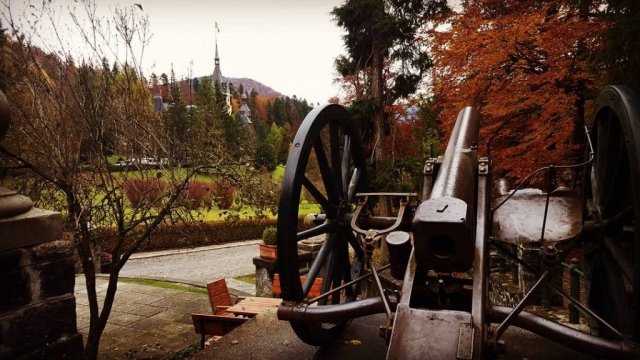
(379, 149)
(98, 324)
(89, 258)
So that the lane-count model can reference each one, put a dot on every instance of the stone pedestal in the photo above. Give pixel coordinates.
(266, 268)
(37, 304)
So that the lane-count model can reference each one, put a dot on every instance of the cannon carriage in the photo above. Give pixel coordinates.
(439, 240)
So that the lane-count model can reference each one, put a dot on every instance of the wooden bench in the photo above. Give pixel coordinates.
(219, 297)
(316, 288)
(215, 325)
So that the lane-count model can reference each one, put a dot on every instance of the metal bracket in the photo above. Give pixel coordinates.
(483, 166)
(465, 342)
(429, 166)
(429, 171)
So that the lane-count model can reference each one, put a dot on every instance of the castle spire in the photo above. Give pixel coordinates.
(217, 74)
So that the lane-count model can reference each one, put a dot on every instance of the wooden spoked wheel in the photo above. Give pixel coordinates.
(612, 204)
(326, 166)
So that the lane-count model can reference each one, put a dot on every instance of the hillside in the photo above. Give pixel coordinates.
(260, 88)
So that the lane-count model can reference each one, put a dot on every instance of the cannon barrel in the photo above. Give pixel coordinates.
(444, 224)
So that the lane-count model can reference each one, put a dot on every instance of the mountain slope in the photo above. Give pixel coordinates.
(249, 84)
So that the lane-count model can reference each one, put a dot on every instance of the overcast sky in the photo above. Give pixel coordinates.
(289, 45)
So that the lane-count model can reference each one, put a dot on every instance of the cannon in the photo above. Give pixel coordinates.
(439, 241)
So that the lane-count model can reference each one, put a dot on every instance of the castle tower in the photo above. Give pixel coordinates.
(245, 112)
(217, 77)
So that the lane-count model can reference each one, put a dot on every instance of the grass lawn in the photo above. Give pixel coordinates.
(247, 212)
(164, 284)
(251, 278)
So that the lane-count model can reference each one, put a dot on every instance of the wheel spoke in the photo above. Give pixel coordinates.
(355, 177)
(313, 190)
(315, 231)
(345, 166)
(353, 241)
(329, 269)
(609, 156)
(622, 216)
(616, 295)
(336, 161)
(319, 261)
(325, 171)
(338, 271)
(619, 257)
(615, 191)
(346, 271)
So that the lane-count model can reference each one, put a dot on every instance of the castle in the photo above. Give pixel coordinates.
(245, 112)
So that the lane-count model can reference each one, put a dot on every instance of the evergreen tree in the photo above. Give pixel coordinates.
(270, 117)
(196, 84)
(164, 87)
(174, 89)
(267, 152)
(284, 143)
(115, 70)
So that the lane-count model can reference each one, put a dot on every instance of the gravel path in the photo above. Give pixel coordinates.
(196, 265)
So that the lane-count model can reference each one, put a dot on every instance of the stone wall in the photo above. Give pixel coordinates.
(37, 305)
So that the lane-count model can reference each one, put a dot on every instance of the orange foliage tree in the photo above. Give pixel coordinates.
(522, 64)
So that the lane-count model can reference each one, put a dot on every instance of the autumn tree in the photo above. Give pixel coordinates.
(522, 65)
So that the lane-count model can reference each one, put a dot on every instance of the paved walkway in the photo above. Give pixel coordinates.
(146, 322)
(150, 322)
(196, 266)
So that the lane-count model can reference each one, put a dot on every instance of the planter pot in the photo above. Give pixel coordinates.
(269, 252)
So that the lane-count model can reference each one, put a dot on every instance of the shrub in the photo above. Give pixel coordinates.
(197, 195)
(143, 191)
(105, 258)
(193, 234)
(269, 236)
(224, 192)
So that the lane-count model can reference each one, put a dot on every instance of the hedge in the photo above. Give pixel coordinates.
(195, 234)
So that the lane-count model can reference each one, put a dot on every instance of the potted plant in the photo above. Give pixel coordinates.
(106, 260)
(268, 248)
